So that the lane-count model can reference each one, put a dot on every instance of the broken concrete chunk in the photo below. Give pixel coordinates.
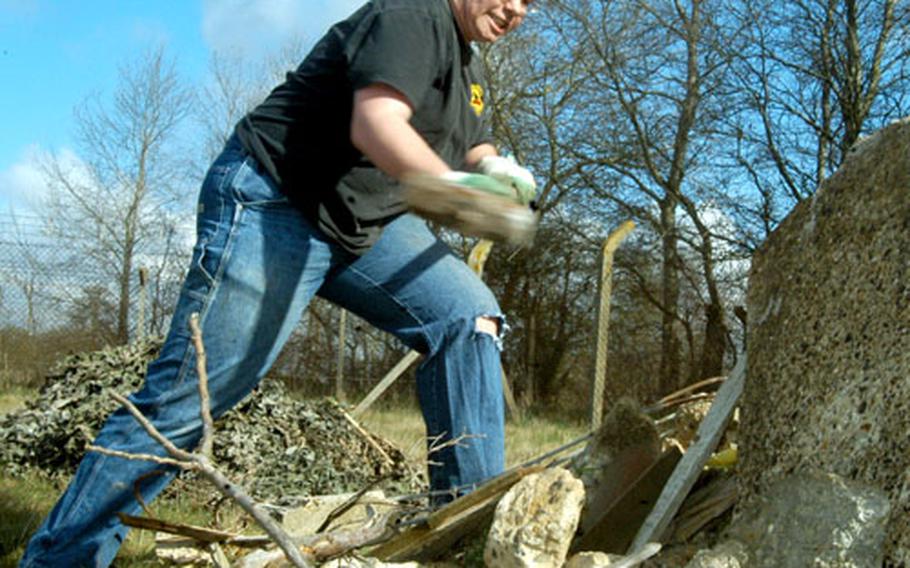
(729, 554)
(307, 518)
(815, 519)
(625, 445)
(589, 560)
(534, 522)
(601, 559)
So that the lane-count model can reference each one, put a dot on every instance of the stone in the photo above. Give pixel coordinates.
(589, 560)
(829, 336)
(276, 559)
(357, 562)
(814, 519)
(308, 517)
(535, 520)
(728, 554)
(621, 450)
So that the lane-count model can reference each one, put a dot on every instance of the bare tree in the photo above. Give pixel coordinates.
(813, 76)
(116, 201)
(235, 86)
(535, 94)
(658, 73)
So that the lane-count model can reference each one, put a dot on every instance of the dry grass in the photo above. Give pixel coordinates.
(526, 437)
(25, 501)
(13, 398)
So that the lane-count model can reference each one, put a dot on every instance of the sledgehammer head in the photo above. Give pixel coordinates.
(469, 211)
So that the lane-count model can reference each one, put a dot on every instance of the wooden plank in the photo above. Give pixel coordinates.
(616, 524)
(702, 507)
(617, 478)
(386, 382)
(690, 466)
(492, 488)
(423, 544)
(339, 365)
(449, 523)
(514, 411)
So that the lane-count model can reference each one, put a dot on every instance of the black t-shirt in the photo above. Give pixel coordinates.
(301, 132)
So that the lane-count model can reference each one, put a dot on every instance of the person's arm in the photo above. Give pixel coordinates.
(380, 129)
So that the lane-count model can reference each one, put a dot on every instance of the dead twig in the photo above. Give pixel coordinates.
(198, 535)
(205, 406)
(201, 461)
(137, 493)
(436, 445)
(346, 506)
(369, 439)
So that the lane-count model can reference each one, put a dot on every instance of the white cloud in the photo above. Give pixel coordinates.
(22, 184)
(253, 28)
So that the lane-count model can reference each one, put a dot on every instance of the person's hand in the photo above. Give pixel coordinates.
(508, 172)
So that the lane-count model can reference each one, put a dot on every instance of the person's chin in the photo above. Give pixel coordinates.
(492, 34)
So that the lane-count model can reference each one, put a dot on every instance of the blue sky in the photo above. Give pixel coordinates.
(55, 53)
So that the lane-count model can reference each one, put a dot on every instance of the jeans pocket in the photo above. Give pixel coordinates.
(200, 278)
(252, 187)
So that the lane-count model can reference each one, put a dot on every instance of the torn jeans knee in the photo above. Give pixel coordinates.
(493, 325)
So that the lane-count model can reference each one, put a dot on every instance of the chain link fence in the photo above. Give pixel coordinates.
(56, 298)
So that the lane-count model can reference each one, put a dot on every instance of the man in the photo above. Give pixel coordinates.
(302, 201)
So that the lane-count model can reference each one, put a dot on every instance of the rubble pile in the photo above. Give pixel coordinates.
(275, 446)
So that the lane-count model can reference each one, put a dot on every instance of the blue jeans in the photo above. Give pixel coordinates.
(256, 265)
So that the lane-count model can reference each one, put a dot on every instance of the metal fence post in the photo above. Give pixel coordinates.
(603, 320)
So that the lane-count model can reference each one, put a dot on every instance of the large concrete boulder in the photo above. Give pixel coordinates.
(829, 336)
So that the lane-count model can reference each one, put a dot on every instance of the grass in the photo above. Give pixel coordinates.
(14, 397)
(25, 501)
(526, 437)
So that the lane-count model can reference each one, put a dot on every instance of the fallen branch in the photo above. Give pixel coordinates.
(347, 505)
(329, 545)
(369, 439)
(205, 405)
(321, 546)
(196, 535)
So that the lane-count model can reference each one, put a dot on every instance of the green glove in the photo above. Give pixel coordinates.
(479, 182)
(507, 171)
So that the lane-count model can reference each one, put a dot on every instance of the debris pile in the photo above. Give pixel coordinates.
(275, 446)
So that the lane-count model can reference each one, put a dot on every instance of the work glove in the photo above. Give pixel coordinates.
(481, 182)
(508, 172)
(471, 203)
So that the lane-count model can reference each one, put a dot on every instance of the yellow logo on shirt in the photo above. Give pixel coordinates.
(477, 98)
